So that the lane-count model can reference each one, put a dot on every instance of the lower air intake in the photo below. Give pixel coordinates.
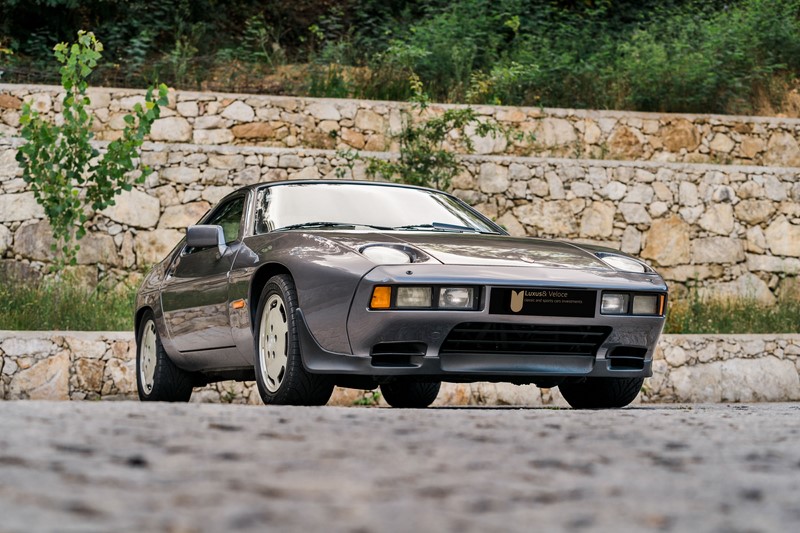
(524, 339)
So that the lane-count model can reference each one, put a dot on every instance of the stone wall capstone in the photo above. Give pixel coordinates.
(729, 230)
(282, 121)
(686, 368)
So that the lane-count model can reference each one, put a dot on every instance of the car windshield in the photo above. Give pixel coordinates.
(340, 205)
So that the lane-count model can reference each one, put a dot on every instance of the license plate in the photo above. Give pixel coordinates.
(542, 302)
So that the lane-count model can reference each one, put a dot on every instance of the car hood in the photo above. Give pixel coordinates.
(486, 250)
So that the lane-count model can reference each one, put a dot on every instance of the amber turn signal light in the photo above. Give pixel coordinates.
(381, 297)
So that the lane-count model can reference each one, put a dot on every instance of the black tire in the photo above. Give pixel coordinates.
(410, 394)
(601, 393)
(169, 383)
(290, 384)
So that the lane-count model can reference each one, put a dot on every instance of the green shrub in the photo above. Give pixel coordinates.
(649, 55)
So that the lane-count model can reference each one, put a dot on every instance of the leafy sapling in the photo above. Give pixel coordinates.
(68, 176)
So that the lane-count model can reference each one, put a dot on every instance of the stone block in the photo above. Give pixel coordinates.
(512, 225)
(626, 143)
(721, 143)
(680, 134)
(754, 211)
(134, 208)
(47, 379)
(226, 162)
(746, 287)
(239, 112)
(368, 120)
(552, 218)
(720, 250)
(89, 374)
(640, 194)
(598, 220)
(18, 207)
(750, 147)
(6, 238)
(783, 237)
(98, 248)
(555, 132)
(667, 241)
(171, 129)
(493, 178)
(152, 246)
(782, 150)
(8, 101)
(34, 241)
(718, 219)
(213, 136)
(253, 130)
(85, 347)
(323, 111)
(634, 213)
(215, 194)
(184, 215)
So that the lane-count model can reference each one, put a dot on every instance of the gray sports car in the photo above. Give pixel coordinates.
(306, 285)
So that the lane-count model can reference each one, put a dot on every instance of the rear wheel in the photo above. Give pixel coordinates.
(601, 393)
(410, 394)
(280, 375)
(158, 379)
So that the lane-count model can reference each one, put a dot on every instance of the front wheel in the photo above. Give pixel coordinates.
(601, 393)
(158, 379)
(280, 376)
(410, 394)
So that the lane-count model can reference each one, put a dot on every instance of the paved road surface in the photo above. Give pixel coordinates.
(128, 466)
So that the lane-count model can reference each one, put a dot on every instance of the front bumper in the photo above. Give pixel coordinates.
(428, 330)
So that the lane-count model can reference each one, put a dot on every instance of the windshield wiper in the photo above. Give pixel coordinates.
(330, 225)
(441, 226)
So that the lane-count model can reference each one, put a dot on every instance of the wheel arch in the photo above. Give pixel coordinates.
(260, 279)
(137, 320)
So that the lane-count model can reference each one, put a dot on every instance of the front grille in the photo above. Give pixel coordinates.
(524, 339)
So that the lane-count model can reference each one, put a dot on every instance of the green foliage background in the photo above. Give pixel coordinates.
(694, 56)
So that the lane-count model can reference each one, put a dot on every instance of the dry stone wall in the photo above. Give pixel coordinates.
(213, 118)
(731, 230)
(687, 368)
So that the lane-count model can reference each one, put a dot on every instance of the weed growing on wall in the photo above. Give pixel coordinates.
(425, 159)
(68, 176)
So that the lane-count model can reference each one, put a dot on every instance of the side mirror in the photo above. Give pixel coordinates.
(201, 236)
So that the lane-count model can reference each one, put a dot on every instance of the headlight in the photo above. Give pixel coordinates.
(413, 296)
(430, 297)
(621, 303)
(645, 304)
(620, 262)
(456, 297)
(385, 255)
(614, 304)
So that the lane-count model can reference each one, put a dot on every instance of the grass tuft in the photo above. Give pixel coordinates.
(64, 306)
(736, 316)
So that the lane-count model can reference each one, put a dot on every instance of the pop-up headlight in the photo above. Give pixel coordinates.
(385, 255)
(620, 262)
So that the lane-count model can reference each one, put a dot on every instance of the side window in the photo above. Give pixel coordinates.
(229, 216)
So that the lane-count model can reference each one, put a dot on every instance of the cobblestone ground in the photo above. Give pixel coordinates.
(126, 466)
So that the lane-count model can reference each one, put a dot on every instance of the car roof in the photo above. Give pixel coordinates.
(338, 182)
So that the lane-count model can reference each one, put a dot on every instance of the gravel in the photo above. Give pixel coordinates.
(127, 466)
